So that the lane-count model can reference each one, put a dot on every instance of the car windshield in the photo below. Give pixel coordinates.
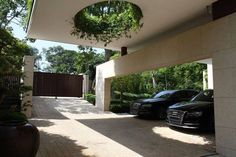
(163, 94)
(204, 96)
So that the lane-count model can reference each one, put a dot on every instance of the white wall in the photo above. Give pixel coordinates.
(210, 76)
(209, 72)
(225, 101)
(85, 84)
(216, 39)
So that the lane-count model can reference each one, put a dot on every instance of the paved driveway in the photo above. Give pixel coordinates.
(71, 127)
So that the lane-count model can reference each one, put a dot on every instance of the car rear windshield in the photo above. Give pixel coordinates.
(204, 96)
(163, 94)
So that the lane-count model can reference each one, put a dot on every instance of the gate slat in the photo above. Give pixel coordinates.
(51, 84)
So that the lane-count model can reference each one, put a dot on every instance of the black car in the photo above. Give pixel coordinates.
(158, 105)
(196, 114)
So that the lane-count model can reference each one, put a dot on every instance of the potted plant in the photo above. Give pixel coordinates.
(18, 138)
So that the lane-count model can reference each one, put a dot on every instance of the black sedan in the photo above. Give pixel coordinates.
(158, 105)
(196, 114)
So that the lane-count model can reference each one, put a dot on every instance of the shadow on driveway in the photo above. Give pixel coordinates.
(45, 108)
(53, 145)
(153, 138)
(71, 127)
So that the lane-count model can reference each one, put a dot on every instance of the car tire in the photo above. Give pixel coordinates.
(161, 114)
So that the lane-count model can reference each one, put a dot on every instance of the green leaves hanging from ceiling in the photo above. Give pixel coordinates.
(107, 20)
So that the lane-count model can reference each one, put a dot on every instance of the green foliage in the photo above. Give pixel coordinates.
(107, 20)
(26, 16)
(143, 85)
(116, 55)
(12, 117)
(190, 75)
(87, 60)
(61, 60)
(90, 98)
(37, 58)
(12, 51)
(117, 106)
(186, 76)
(9, 45)
(131, 83)
(12, 11)
(130, 96)
(72, 62)
(29, 8)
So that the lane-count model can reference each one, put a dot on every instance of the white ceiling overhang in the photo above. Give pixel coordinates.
(52, 20)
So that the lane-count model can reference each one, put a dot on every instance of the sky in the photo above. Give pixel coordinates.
(40, 44)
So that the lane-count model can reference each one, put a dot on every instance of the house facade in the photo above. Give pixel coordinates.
(174, 32)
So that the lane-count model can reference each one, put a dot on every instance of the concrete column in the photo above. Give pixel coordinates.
(204, 75)
(107, 94)
(85, 84)
(224, 66)
(99, 90)
(28, 71)
(209, 73)
(210, 76)
(103, 90)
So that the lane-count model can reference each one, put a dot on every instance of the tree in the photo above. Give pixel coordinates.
(154, 82)
(12, 51)
(61, 60)
(87, 61)
(12, 11)
(185, 76)
(108, 54)
(189, 75)
(37, 59)
(72, 62)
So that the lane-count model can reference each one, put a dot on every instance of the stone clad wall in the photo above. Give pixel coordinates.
(225, 101)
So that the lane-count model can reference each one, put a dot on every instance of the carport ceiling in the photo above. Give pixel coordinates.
(51, 20)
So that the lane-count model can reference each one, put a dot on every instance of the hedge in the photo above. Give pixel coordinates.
(90, 98)
(118, 106)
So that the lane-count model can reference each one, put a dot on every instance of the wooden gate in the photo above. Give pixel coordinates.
(51, 84)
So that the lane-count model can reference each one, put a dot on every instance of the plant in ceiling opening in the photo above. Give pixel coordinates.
(107, 20)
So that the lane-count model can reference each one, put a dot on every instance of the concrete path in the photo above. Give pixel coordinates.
(71, 127)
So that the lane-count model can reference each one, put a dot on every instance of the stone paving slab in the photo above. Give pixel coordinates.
(71, 127)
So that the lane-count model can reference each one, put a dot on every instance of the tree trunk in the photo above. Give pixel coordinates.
(92, 87)
(121, 93)
(154, 82)
(108, 54)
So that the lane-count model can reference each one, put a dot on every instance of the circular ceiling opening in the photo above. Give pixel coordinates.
(107, 20)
